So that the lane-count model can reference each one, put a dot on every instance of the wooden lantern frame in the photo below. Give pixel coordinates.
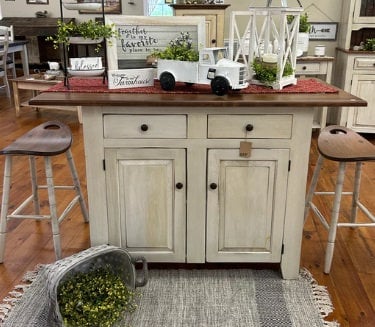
(267, 31)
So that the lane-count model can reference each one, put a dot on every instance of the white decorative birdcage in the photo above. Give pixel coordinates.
(265, 39)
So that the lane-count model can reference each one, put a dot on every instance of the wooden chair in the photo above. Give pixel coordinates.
(11, 63)
(3, 63)
(343, 145)
(46, 140)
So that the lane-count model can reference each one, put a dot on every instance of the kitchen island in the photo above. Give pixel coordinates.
(196, 178)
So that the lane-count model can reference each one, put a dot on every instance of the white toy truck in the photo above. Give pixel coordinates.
(212, 68)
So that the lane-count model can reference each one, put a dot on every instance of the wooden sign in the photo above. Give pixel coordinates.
(139, 36)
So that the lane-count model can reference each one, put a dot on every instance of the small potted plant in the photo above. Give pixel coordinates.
(180, 49)
(87, 32)
(303, 32)
(369, 45)
(266, 73)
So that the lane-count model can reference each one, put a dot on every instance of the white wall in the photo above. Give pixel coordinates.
(19, 8)
(318, 11)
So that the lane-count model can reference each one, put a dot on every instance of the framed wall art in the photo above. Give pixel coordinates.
(323, 31)
(37, 2)
(139, 36)
(110, 7)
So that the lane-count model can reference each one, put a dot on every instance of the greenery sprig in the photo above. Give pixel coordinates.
(369, 44)
(90, 29)
(180, 48)
(94, 299)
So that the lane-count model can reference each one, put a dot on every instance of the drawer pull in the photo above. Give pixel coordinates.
(249, 127)
(213, 186)
(179, 186)
(144, 127)
(304, 68)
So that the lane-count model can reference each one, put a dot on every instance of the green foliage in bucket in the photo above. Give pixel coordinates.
(97, 298)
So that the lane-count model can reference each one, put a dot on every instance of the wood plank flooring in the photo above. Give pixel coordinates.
(351, 282)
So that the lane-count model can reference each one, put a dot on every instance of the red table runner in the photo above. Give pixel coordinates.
(95, 85)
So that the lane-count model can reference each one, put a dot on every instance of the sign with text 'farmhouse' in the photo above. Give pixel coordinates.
(139, 36)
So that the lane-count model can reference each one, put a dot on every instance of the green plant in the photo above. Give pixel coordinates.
(95, 298)
(179, 49)
(304, 25)
(88, 30)
(266, 73)
(369, 44)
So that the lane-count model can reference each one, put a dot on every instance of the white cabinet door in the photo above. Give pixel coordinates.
(147, 202)
(362, 119)
(246, 205)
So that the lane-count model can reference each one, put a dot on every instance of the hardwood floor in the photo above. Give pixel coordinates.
(351, 282)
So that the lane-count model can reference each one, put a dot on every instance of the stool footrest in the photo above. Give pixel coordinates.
(317, 212)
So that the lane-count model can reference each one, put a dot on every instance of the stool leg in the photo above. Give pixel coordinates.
(314, 182)
(5, 204)
(357, 183)
(52, 205)
(334, 218)
(34, 185)
(77, 185)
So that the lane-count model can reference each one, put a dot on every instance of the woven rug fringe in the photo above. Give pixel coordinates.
(321, 297)
(16, 294)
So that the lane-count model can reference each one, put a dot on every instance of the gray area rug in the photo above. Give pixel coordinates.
(230, 298)
(202, 298)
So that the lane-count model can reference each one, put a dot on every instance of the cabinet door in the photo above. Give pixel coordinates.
(246, 209)
(362, 119)
(364, 12)
(146, 202)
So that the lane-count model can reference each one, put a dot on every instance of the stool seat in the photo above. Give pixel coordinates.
(339, 143)
(48, 139)
(342, 145)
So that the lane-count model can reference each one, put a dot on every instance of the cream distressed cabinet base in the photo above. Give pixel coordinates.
(196, 178)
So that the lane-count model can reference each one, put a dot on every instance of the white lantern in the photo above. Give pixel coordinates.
(267, 44)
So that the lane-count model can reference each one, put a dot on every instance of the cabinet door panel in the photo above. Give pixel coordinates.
(245, 213)
(363, 119)
(141, 191)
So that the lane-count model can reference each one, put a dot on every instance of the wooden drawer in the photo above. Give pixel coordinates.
(145, 126)
(364, 63)
(311, 68)
(250, 126)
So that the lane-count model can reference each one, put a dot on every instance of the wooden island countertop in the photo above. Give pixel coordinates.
(341, 98)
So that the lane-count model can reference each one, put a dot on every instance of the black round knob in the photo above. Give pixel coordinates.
(144, 127)
(304, 68)
(249, 127)
(179, 186)
(213, 186)
(213, 41)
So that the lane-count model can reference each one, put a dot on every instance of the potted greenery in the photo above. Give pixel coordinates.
(180, 49)
(88, 32)
(266, 73)
(369, 45)
(303, 32)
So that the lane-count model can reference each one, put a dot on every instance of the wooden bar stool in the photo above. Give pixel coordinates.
(47, 140)
(343, 145)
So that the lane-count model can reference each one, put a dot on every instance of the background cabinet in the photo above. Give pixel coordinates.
(355, 70)
(214, 15)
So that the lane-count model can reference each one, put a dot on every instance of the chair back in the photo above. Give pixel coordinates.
(4, 43)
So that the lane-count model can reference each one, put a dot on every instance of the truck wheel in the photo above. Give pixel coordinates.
(167, 81)
(219, 85)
